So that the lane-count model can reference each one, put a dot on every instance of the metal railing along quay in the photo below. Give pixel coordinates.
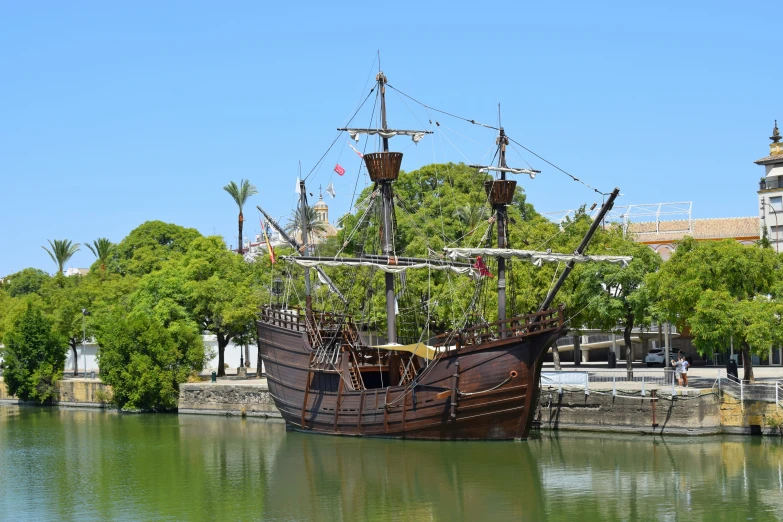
(633, 381)
(745, 391)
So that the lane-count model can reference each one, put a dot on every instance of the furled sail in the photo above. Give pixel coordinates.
(398, 265)
(537, 258)
(488, 168)
(416, 135)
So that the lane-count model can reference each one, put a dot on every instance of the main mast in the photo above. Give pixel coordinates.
(387, 243)
(384, 168)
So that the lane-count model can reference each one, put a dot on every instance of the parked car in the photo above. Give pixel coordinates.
(655, 356)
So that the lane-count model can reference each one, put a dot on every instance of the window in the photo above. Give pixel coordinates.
(776, 233)
(776, 202)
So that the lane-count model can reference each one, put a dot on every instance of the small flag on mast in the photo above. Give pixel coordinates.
(330, 190)
(356, 150)
(339, 170)
(297, 190)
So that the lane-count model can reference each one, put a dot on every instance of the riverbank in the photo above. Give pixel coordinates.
(247, 398)
(690, 412)
(70, 393)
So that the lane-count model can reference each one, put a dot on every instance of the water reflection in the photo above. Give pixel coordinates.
(66, 464)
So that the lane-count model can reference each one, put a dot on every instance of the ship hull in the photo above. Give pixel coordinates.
(481, 392)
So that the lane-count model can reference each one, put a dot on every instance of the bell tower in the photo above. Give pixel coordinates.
(771, 191)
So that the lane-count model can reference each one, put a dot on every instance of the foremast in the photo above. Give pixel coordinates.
(306, 245)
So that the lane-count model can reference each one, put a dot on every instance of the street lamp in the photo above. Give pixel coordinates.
(85, 313)
(277, 289)
(764, 204)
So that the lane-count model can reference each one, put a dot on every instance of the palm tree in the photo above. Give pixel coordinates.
(62, 250)
(314, 223)
(470, 216)
(240, 193)
(101, 248)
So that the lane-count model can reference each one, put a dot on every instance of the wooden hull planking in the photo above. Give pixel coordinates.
(497, 384)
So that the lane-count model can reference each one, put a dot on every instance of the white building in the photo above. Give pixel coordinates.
(231, 356)
(771, 191)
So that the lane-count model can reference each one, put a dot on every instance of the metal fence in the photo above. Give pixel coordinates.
(745, 391)
(636, 380)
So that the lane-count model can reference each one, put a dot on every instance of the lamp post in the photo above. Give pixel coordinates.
(277, 289)
(85, 313)
(764, 204)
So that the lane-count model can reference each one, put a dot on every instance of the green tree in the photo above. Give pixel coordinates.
(62, 250)
(64, 303)
(144, 358)
(27, 281)
(313, 222)
(725, 286)
(471, 216)
(34, 357)
(102, 249)
(149, 246)
(208, 284)
(240, 194)
(605, 295)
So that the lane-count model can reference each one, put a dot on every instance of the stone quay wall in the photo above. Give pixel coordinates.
(696, 414)
(252, 400)
(77, 393)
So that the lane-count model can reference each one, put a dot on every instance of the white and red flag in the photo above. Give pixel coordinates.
(356, 150)
(339, 170)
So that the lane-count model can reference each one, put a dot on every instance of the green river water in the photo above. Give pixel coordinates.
(62, 464)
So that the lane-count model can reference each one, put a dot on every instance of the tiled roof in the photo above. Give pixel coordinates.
(714, 228)
(769, 160)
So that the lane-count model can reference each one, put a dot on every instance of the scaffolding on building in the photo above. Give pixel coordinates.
(677, 216)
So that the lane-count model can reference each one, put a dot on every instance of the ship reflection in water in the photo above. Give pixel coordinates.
(64, 464)
(566, 477)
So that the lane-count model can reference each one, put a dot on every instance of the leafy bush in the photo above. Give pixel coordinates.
(144, 359)
(34, 357)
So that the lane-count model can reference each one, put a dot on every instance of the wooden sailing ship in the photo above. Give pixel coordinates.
(476, 382)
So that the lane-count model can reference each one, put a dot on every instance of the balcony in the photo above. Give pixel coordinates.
(771, 183)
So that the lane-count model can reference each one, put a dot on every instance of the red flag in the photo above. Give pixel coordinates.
(339, 170)
(482, 267)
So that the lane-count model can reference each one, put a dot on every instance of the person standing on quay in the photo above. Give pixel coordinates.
(678, 370)
(685, 366)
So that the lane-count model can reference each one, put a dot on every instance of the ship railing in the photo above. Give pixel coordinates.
(291, 318)
(515, 327)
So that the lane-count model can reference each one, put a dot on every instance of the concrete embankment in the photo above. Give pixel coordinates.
(76, 393)
(695, 414)
(228, 398)
(691, 412)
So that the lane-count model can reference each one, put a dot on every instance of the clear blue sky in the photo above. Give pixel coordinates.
(115, 113)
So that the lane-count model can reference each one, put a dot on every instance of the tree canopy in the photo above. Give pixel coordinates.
(147, 246)
(725, 292)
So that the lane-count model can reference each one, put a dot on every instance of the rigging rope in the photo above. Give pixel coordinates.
(558, 168)
(339, 134)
